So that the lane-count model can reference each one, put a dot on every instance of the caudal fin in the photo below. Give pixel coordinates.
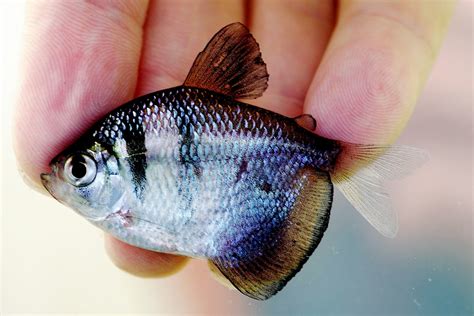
(361, 172)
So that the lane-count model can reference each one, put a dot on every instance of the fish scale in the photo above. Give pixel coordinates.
(221, 124)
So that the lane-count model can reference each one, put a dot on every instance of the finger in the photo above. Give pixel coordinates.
(176, 31)
(142, 262)
(80, 61)
(292, 36)
(374, 67)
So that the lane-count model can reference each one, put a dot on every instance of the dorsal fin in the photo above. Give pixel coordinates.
(230, 64)
(306, 121)
(277, 257)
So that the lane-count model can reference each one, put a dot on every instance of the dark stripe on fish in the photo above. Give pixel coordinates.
(242, 170)
(188, 155)
(137, 161)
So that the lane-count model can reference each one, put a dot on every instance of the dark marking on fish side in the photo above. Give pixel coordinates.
(242, 170)
(197, 170)
(136, 150)
(266, 187)
(188, 141)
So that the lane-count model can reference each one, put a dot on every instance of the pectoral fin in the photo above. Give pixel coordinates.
(280, 256)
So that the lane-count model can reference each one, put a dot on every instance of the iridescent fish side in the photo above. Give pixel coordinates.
(191, 171)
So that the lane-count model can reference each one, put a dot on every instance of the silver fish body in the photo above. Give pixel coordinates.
(191, 171)
(199, 171)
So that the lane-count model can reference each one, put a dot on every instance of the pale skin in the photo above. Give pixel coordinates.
(356, 66)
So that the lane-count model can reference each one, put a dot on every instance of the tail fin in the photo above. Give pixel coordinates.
(360, 172)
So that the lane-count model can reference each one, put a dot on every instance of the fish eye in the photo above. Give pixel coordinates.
(80, 170)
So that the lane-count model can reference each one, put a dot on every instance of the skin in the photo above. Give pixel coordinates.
(356, 66)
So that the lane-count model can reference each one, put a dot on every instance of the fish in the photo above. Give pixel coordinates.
(192, 170)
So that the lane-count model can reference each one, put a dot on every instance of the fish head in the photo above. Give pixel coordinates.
(87, 180)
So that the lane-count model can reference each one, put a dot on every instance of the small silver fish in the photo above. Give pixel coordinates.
(191, 171)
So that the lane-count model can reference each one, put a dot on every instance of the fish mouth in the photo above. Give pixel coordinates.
(48, 178)
(45, 177)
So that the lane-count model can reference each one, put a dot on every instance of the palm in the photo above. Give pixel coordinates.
(359, 79)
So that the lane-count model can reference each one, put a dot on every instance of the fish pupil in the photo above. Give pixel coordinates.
(78, 170)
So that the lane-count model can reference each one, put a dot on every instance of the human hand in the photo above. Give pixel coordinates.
(359, 77)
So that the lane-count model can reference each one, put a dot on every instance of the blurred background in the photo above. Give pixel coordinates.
(53, 261)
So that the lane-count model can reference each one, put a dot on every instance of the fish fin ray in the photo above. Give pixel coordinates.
(306, 121)
(230, 64)
(360, 173)
(283, 253)
(217, 274)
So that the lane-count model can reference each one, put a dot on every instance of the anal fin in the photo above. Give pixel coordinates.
(230, 64)
(281, 255)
